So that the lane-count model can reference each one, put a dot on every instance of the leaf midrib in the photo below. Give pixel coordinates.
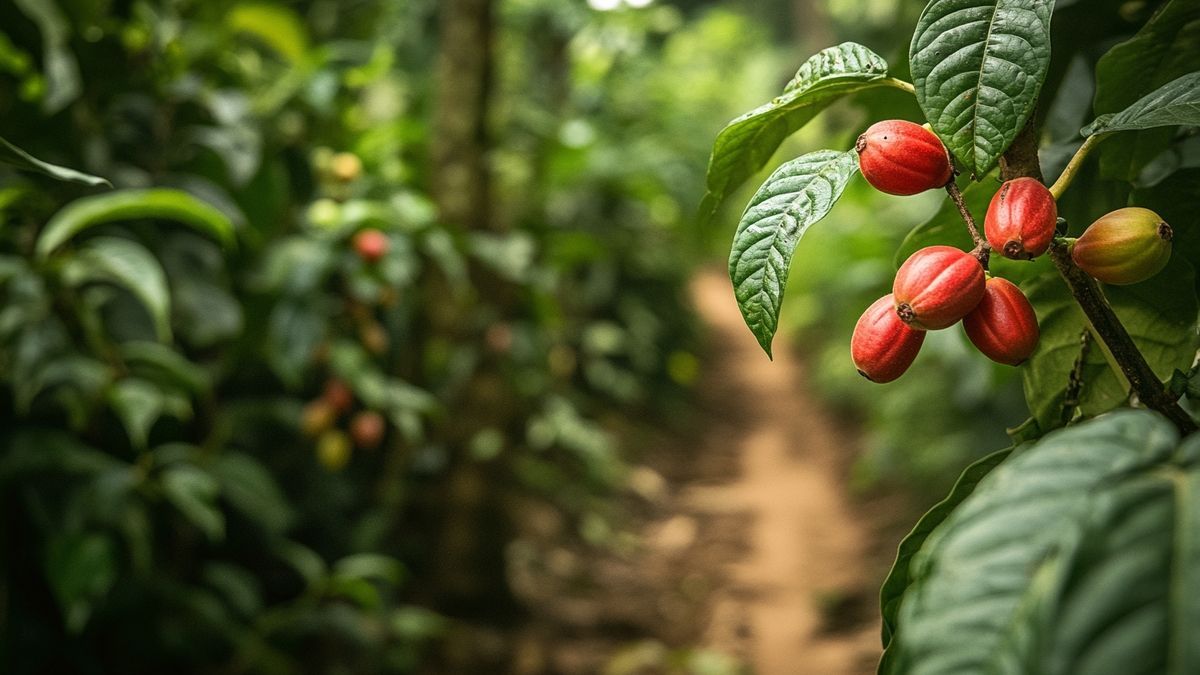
(987, 43)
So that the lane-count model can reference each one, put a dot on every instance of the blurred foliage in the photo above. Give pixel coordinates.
(225, 430)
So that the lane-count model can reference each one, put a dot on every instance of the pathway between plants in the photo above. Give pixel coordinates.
(795, 603)
(747, 542)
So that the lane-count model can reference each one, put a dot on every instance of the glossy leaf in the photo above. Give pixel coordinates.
(978, 66)
(898, 578)
(1075, 555)
(194, 492)
(156, 203)
(1175, 103)
(81, 568)
(253, 491)
(138, 404)
(14, 156)
(128, 264)
(797, 195)
(747, 143)
(1165, 48)
(161, 363)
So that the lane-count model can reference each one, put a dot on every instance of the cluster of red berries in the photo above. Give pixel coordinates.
(365, 430)
(938, 286)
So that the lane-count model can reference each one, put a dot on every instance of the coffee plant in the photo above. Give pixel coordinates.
(1074, 551)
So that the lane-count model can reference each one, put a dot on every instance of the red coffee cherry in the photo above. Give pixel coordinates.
(367, 429)
(371, 245)
(1003, 325)
(937, 286)
(883, 346)
(902, 158)
(1124, 247)
(337, 395)
(1021, 218)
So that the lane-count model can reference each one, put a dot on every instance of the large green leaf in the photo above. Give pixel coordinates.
(797, 195)
(128, 264)
(898, 578)
(1077, 555)
(156, 203)
(978, 66)
(1167, 47)
(1160, 315)
(14, 156)
(1175, 103)
(746, 144)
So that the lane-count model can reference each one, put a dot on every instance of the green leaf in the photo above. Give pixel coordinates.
(898, 578)
(1176, 103)
(274, 25)
(81, 568)
(160, 363)
(128, 264)
(155, 203)
(1160, 315)
(1167, 47)
(138, 404)
(14, 156)
(252, 490)
(746, 144)
(194, 492)
(30, 452)
(797, 195)
(978, 66)
(1076, 555)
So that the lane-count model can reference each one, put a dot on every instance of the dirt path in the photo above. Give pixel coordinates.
(740, 538)
(807, 548)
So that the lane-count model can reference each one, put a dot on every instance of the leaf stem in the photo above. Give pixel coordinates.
(1064, 181)
(1108, 327)
(901, 85)
(983, 250)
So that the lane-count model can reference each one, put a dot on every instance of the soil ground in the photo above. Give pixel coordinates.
(746, 551)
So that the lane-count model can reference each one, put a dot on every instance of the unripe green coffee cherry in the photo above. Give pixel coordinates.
(1124, 247)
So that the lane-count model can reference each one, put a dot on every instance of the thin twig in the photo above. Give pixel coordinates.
(983, 250)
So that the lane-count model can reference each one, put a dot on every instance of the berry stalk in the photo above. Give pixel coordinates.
(983, 250)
